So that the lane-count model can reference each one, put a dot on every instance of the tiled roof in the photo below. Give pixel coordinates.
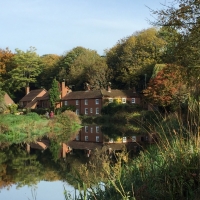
(7, 99)
(32, 95)
(119, 93)
(32, 103)
(84, 145)
(44, 97)
(91, 94)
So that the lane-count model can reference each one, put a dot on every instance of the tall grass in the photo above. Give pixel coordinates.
(168, 170)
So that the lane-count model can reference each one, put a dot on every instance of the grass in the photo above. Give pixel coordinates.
(168, 170)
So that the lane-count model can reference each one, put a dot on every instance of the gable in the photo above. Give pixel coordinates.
(7, 99)
(33, 94)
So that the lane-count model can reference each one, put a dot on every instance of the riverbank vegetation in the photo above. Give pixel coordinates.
(168, 169)
(30, 127)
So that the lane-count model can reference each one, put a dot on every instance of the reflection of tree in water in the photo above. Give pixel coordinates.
(17, 167)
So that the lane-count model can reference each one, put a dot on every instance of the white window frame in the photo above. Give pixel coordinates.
(110, 100)
(77, 137)
(91, 129)
(111, 140)
(124, 139)
(133, 138)
(77, 102)
(86, 111)
(97, 129)
(66, 103)
(86, 138)
(123, 100)
(91, 110)
(96, 101)
(86, 129)
(97, 138)
(86, 101)
(133, 100)
(77, 111)
(97, 111)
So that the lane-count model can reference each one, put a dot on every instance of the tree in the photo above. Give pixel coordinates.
(183, 16)
(2, 102)
(5, 63)
(134, 56)
(49, 67)
(168, 87)
(82, 65)
(54, 93)
(28, 68)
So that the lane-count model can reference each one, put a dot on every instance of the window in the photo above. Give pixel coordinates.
(91, 110)
(133, 100)
(77, 102)
(124, 139)
(97, 129)
(77, 137)
(86, 101)
(97, 111)
(86, 138)
(110, 100)
(86, 129)
(96, 101)
(65, 103)
(97, 138)
(77, 111)
(111, 140)
(133, 138)
(123, 100)
(86, 111)
(91, 129)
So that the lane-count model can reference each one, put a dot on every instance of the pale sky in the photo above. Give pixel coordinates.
(57, 26)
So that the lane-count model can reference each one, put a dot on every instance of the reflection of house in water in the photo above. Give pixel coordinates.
(90, 133)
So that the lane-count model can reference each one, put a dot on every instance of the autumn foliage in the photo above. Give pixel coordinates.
(168, 86)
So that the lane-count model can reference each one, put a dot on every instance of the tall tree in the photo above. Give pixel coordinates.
(5, 63)
(168, 87)
(134, 56)
(49, 67)
(82, 65)
(54, 93)
(183, 16)
(28, 68)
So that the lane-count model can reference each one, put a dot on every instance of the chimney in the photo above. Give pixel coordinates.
(109, 86)
(64, 89)
(87, 86)
(27, 89)
(134, 90)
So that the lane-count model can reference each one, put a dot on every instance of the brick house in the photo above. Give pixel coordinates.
(31, 99)
(90, 133)
(39, 98)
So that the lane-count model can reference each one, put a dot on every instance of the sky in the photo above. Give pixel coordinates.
(58, 26)
(44, 190)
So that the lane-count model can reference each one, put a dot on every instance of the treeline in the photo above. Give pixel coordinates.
(167, 56)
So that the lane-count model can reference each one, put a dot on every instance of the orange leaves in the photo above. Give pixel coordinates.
(5, 58)
(168, 86)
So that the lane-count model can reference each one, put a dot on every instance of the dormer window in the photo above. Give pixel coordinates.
(110, 100)
(123, 100)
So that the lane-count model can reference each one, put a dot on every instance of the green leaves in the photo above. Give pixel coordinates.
(54, 93)
(28, 68)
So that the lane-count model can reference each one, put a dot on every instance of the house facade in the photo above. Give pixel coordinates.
(86, 102)
(90, 133)
(31, 99)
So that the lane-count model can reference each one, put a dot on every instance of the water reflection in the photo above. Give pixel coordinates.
(39, 168)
